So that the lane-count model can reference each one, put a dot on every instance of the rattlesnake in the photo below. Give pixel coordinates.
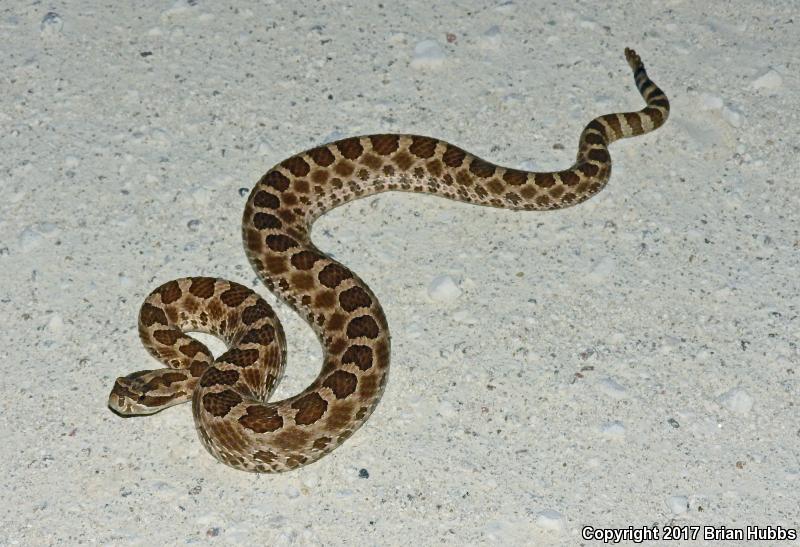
(229, 394)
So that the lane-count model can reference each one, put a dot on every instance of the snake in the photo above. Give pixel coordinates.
(230, 394)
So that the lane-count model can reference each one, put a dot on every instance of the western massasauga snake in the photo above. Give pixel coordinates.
(230, 394)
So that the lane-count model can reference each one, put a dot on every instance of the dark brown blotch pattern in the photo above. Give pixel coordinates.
(235, 295)
(354, 298)
(363, 326)
(358, 355)
(239, 357)
(342, 383)
(264, 221)
(297, 166)
(515, 177)
(263, 336)
(322, 443)
(167, 336)
(217, 377)
(219, 404)
(280, 243)
(362, 413)
(481, 168)
(150, 315)
(599, 155)
(261, 419)
(588, 169)
(202, 287)
(350, 148)
(310, 408)
(434, 167)
(197, 368)
(544, 180)
(403, 160)
(322, 156)
(613, 123)
(453, 156)
(372, 161)
(193, 348)
(333, 274)
(635, 122)
(385, 144)
(569, 178)
(275, 179)
(594, 139)
(164, 380)
(266, 200)
(257, 311)
(265, 456)
(305, 260)
(170, 292)
(423, 147)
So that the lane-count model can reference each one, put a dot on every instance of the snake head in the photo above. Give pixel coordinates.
(150, 391)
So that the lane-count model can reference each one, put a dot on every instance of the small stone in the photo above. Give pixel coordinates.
(732, 115)
(602, 270)
(28, 239)
(363, 474)
(617, 338)
(550, 520)
(446, 409)
(443, 288)
(769, 80)
(32, 236)
(51, 24)
(201, 196)
(498, 531)
(612, 388)
(491, 39)
(310, 480)
(506, 8)
(710, 102)
(179, 8)
(678, 504)
(56, 325)
(613, 430)
(265, 148)
(736, 400)
(428, 54)
(463, 316)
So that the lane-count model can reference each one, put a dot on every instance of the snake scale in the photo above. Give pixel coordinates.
(230, 394)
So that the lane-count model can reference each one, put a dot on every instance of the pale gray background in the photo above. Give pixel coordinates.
(601, 364)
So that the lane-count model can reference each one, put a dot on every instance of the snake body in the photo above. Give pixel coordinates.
(230, 394)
